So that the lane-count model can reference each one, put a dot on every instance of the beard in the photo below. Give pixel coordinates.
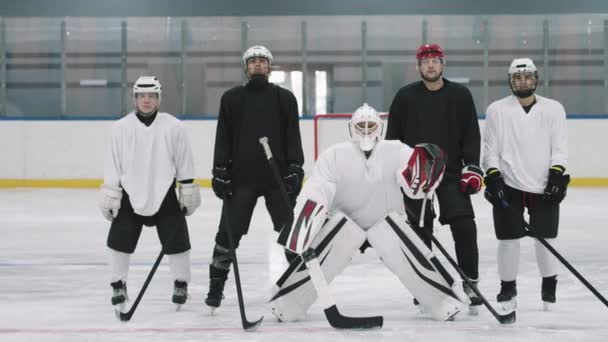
(429, 79)
(257, 81)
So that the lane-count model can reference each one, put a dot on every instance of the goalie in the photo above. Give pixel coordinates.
(353, 198)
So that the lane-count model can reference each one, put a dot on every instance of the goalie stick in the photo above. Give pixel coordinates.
(247, 326)
(507, 318)
(333, 315)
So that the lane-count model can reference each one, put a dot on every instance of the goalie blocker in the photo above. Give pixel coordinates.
(398, 246)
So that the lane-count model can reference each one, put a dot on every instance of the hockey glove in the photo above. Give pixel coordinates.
(293, 180)
(221, 182)
(557, 184)
(495, 188)
(424, 171)
(109, 201)
(470, 180)
(189, 197)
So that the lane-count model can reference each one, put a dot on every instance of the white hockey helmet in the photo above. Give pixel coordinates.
(256, 51)
(523, 65)
(147, 84)
(365, 127)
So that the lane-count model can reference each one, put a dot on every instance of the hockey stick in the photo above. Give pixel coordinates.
(247, 326)
(507, 318)
(333, 315)
(126, 316)
(532, 232)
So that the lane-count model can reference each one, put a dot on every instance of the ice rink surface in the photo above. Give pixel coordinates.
(54, 280)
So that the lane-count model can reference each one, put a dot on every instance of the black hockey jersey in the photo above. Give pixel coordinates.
(248, 113)
(445, 117)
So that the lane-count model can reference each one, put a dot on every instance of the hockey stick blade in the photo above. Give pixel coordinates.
(247, 326)
(126, 316)
(339, 321)
(507, 318)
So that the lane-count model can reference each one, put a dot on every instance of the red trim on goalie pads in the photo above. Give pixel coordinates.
(404, 253)
(309, 217)
(336, 242)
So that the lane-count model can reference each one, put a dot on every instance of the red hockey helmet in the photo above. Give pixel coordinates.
(429, 51)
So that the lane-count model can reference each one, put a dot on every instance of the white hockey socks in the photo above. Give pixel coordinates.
(508, 259)
(120, 265)
(179, 264)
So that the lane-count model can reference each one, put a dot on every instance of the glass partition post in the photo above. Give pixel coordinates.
(244, 42)
(364, 61)
(3, 105)
(63, 64)
(123, 67)
(424, 32)
(545, 56)
(605, 66)
(305, 79)
(182, 61)
(485, 35)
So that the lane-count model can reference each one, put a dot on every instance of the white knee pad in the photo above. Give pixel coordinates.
(508, 259)
(335, 244)
(547, 263)
(120, 265)
(404, 253)
(179, 264)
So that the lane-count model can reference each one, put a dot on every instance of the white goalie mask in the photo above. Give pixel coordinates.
(365, 127)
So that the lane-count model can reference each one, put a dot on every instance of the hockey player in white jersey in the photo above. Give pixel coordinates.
(525, 154)
(148, 152)
(354, 197)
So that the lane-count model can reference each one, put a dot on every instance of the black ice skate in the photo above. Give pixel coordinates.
(119, 295)
(548, 292)
(475, 301)
(216, 293)
(180, 294)
(506, 297)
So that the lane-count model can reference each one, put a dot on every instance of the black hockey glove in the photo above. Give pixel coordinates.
(293, 180)
(557, 184)
(364, 246)
(495, 186)
(221, 182)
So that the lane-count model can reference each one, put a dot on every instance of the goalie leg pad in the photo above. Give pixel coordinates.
(404, 253)
(338, 239)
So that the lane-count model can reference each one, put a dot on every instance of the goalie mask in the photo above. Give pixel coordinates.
(365, 127)
(523, 77)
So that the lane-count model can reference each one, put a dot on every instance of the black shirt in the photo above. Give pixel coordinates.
(248, 113)
(445, 117)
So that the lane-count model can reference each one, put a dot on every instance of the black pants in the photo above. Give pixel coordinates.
(240, 208)
(544, 215)
(456, 210)
(169, 220)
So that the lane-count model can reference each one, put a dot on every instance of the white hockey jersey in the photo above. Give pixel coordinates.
(523, 146)
(144, 160)
(365, 189)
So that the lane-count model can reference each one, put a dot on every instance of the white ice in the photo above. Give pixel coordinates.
(54, 281)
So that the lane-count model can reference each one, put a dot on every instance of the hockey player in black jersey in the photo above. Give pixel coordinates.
(240, 171)
(439, 111)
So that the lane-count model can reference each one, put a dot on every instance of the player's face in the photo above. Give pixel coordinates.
(430, 68)
(258, 65)
(366, 128)
(146, 102)
(522, 81)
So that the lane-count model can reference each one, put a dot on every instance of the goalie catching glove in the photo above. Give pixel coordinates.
(424, 171)
(109, 201)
